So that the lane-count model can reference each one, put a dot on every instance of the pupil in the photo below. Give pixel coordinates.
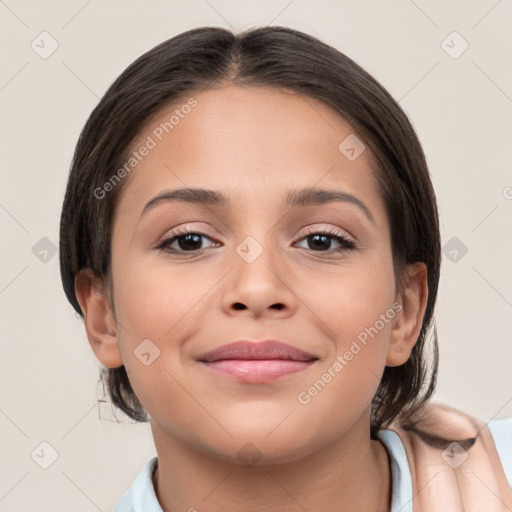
(186, 244)
(315, 243)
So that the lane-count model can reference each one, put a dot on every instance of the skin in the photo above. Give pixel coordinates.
(254, 144)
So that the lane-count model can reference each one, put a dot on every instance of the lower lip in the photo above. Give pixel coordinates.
(257, 370)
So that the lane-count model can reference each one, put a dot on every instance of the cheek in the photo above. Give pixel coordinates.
(356, 305)
(354, 297)
(165, 305)
(157, 310)
(361, 320)
(154, 299)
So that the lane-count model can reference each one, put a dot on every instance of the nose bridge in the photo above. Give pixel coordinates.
(257, 259)
(257, 279)
(259, 235)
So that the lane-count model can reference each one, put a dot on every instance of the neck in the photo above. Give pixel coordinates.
(350, 473)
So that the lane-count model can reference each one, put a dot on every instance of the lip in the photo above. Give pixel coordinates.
(257, 362)
(268, 349)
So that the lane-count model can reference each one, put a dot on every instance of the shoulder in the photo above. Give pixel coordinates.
(141, 497)
(501, 431)
(402, 489)
(477, 456)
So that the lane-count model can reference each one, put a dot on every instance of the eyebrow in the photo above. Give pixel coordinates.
(294, 198)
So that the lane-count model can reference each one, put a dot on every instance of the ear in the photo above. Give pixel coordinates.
(98, 318)
(408, 321)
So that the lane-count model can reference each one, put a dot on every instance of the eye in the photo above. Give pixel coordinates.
(320, 241)
(187, 241)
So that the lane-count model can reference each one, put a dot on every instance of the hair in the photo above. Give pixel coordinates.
(287, 60)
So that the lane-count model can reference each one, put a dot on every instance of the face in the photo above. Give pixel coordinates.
(253, 267)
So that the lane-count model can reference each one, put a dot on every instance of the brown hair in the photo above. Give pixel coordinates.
(283, 58)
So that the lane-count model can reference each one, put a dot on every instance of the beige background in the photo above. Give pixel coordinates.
(461, 108)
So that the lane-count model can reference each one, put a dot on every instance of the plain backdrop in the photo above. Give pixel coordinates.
(458, 98)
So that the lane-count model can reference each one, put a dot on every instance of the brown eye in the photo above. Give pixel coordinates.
(322, 241)
(186, 241)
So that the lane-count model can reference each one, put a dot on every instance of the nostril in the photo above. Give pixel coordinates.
(239, 305)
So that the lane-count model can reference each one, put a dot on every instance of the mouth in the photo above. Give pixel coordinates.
(257, 371)
(257, 362)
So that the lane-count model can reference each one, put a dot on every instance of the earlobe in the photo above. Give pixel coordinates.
(98, 318)
(407, 327)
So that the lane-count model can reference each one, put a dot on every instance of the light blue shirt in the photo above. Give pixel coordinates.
(141, 496)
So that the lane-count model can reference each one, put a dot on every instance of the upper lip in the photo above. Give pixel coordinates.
(268, 349)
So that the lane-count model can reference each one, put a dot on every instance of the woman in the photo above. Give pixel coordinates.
(251, 235)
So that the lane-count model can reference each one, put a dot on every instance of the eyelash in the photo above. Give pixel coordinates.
(346, 244)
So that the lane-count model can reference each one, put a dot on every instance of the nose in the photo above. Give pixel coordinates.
(258, 286)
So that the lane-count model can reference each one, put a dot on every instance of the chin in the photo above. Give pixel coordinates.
(249, 449)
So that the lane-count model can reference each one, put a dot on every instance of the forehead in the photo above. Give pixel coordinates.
(251, 143)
